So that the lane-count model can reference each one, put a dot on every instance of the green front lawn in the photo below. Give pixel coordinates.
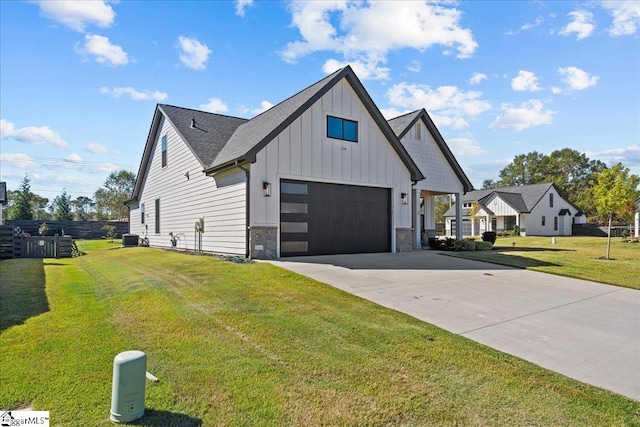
(572, 256)
(253, 344)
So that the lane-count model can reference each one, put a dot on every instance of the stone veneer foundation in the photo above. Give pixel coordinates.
(264, 242)
(404, 239)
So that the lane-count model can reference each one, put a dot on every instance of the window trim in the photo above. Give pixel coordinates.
(342, 120)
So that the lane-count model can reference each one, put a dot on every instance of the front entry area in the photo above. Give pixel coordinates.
(323, 219)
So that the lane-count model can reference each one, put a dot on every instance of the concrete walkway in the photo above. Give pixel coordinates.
(584, 330)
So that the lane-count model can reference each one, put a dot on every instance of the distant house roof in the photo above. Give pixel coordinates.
(521, 198)
(402, 124)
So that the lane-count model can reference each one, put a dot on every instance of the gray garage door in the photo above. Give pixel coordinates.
(321, 219)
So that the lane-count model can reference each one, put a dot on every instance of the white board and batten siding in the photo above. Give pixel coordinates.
(303, 151)
(439, 175)
(221, 202)
(534, 225)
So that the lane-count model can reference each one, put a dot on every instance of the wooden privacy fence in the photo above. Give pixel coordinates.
(14, 245)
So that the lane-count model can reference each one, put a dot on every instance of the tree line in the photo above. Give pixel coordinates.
(602, 193)
(107, 202)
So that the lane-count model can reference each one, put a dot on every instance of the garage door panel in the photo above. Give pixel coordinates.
(339, 219)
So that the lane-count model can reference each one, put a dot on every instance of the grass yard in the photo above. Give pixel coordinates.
(572, 256)
(255, 345)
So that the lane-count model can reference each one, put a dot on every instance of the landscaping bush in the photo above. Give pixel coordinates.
(516, 231)
(489, 236)
(484, 246)
(464, 245)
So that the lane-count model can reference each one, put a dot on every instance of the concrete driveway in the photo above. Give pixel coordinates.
(584, 330)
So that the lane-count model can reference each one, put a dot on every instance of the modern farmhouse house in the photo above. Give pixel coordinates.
(320, 173)
(537, 210)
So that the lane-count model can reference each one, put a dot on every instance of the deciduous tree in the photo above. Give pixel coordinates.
(614, 192)
(110, 200)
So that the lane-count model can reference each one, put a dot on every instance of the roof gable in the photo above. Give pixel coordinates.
(205, 139)
(402, 124)
(522, 198)
(254, 135)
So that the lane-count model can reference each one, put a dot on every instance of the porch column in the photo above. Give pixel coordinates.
(637, 224)
(415, 220)
(458, 216)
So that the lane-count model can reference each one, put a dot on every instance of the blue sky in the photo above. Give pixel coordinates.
(79, 80)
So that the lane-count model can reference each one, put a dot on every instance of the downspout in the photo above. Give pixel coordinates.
(247, 172)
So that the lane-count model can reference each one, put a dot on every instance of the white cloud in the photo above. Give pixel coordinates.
(414, 66)
(194, 54)
(103, 50)
(582, 25)
(464, 146)
(264, 106)
(390, 113)
(626, 17)
(74, 157)
(96, 148)
(18, 160)
(241, 5)
(447, 105)
(525, 81)
(367, 31)
(556, 90)
(78, 14)
(527, 114)
(629, 156)
(576, 78)
(365, 70)
(477, 78)
(214, 105)
(31, 134)
(134, 94)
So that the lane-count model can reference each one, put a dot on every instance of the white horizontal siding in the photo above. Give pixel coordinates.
(302, 151)
(220, 201)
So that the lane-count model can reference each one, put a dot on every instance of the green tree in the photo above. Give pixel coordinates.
(62, 207)
(82, 206)
(525, 169)
(110, 200)
(21, 207)
(40, 205)
(442, 205)
(488, 184)
(614, 192)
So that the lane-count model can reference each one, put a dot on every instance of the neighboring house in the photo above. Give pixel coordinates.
(637, 219)
(320, 173)
(537, 210)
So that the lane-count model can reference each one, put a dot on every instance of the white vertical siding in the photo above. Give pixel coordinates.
(220, 201)
(302, 151)
(542, 208)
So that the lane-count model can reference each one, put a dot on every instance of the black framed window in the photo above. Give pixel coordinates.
(544, 220)
(157, 216)
(346, 130)
(509, 222)
(555, 223)
(164, 151)
(550, 200)
(142, 213)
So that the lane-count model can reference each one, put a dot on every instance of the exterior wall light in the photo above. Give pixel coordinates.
(266, 189)
(404, 198)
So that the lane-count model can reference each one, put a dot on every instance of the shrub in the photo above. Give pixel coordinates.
(516, 231)
(484, 246)
(44, 230)
(625, 233)
(489, 236)
(464, 245)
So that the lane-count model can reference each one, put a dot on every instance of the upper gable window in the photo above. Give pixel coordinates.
(164, 151)
(418, 131)
(550, 200)
(346, 130)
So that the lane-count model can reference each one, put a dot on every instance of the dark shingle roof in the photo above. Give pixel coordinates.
(401, 124)
(522, 198)
(269, 124)
(210, 134)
